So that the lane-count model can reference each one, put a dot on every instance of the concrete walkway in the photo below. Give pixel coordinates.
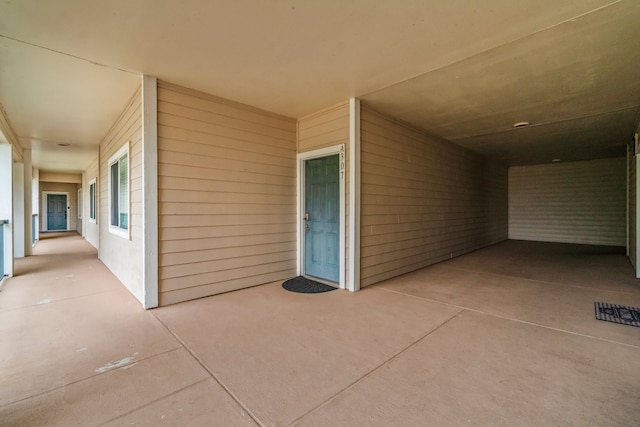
(503, 336)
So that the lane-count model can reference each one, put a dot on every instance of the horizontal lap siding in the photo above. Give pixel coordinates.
(579, 202)
(124, 257)
(423, 200)
(329, 128)
(226, 181)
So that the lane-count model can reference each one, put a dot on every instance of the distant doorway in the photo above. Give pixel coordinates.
(57, 215)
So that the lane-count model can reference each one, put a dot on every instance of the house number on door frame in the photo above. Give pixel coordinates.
(342, 165)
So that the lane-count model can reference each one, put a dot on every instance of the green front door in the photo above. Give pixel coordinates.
(322, 218)
(56, 212)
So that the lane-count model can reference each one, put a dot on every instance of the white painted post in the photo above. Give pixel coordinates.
(18, 210)
(28, 186)
(35, 201)
(83, 211)
(150, 190)
(637, 228)
(354, 195)
(6, 204)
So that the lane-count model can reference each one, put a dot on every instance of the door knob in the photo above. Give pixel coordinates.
(307, 217)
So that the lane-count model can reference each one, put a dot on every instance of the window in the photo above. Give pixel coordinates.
(92, 201)
(119, 192)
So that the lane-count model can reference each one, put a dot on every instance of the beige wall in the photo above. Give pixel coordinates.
(123, 256)
(578, 202)
(68, 178)
(92, 232)
(327, 128)
(227, 195)
(72, 212)
(423, 200)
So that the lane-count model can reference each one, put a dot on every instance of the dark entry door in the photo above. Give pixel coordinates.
(56, 212)
(322, 218)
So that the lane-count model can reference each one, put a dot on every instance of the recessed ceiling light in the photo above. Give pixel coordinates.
(521, 124)
(555, 160)
(64, 145)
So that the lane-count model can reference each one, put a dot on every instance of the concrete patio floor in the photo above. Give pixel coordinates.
(502, 336)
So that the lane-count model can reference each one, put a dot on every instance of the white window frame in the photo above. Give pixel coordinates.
(114, 229)
(93, 203)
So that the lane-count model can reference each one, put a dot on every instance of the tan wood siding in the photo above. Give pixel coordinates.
(423, 200)
(631, 170)
(62, 187)
(328, 128)
(227, 195)
(324, 129)
(124, 257)
(579, 202)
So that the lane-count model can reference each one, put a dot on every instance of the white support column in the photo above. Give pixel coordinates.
(354, 195)
(28, 186)
(85, 198)
(637, 213)
(150, 189)
(626, 173)
(18, 210)
(35, 201)
(6, 205)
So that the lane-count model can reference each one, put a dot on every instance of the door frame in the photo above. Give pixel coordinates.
(342, 169)
(45, 209)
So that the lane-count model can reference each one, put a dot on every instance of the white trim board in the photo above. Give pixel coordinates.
(150, 190)
(45, 209)
(354, 191)
(301, 159)
(637, 210)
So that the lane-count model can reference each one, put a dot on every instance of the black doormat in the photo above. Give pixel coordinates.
(302, 285)
(618, 314)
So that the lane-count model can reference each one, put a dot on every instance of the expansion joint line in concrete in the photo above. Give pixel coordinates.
(486, 313)
(375, 369)
(213, 375)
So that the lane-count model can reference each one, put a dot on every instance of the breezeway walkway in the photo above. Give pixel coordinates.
(502, 336)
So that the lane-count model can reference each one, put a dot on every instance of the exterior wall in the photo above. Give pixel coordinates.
(323, 129)
(123, 256)
(92, 232)
(578, 202)
(72, 189)
(423, 200)
(227, 195)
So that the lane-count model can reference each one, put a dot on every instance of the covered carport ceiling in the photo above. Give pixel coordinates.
(461, 70)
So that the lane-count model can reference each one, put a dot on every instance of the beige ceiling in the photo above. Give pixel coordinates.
(461, 69)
